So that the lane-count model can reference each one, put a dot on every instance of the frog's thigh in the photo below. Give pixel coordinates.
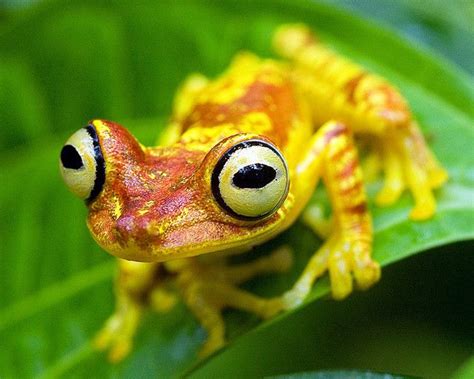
(347, 252)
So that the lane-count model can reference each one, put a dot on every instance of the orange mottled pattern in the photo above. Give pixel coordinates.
(275, 98)
(142, 185)
(161, 197)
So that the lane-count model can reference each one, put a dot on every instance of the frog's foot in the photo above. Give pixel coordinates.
(371, 166)
(207, 300)
(209, 316)
(394, 182)
(117, 334)
(347, 259)
(216, 289)
(408, 163)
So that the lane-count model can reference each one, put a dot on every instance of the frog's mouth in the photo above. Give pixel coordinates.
(211, 237)
(208, 237)
(190, 233)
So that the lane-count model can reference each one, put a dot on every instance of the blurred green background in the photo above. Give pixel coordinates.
(65, 62)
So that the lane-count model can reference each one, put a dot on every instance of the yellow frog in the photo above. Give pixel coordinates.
(236, 166)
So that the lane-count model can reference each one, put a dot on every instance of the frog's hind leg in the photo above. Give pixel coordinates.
(408, 163)
(394, 183)
(347, 253)
(340, 89)
(422, 171)
(134, 281)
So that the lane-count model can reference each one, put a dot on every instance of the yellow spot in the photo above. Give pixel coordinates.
(146, 208)
(157, 228)
(256, 122)
(245, 70)
(268, 99)
(199, 138)
(272, 75)
(117, 212)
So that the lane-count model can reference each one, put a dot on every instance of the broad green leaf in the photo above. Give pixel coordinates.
(76, 60)
(446, 29)
(417, 321)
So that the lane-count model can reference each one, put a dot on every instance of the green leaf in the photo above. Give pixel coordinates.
(77, 60)
(416, 321)
(466, 371)
(445, 29)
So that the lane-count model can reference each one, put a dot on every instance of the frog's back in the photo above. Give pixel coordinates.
(252, 96)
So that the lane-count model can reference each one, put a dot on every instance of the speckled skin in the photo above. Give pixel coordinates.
(157, 202)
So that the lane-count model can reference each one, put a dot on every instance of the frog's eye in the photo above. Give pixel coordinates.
(250, 181)
(82, 164)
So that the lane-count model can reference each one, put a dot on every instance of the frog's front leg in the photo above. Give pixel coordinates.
(347, 252)
(208, 289)
(132, 287)
(207, 299)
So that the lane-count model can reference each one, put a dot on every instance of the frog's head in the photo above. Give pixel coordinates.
(177, 201)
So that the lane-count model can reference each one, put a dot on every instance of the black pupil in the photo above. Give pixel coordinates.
(70, 158)
(256, 175)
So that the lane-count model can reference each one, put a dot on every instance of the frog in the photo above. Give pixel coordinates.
(236, 166)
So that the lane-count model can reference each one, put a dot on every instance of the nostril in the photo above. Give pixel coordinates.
(70, 158)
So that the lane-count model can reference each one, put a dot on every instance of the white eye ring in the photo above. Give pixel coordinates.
(82, 165)
(250, 181)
